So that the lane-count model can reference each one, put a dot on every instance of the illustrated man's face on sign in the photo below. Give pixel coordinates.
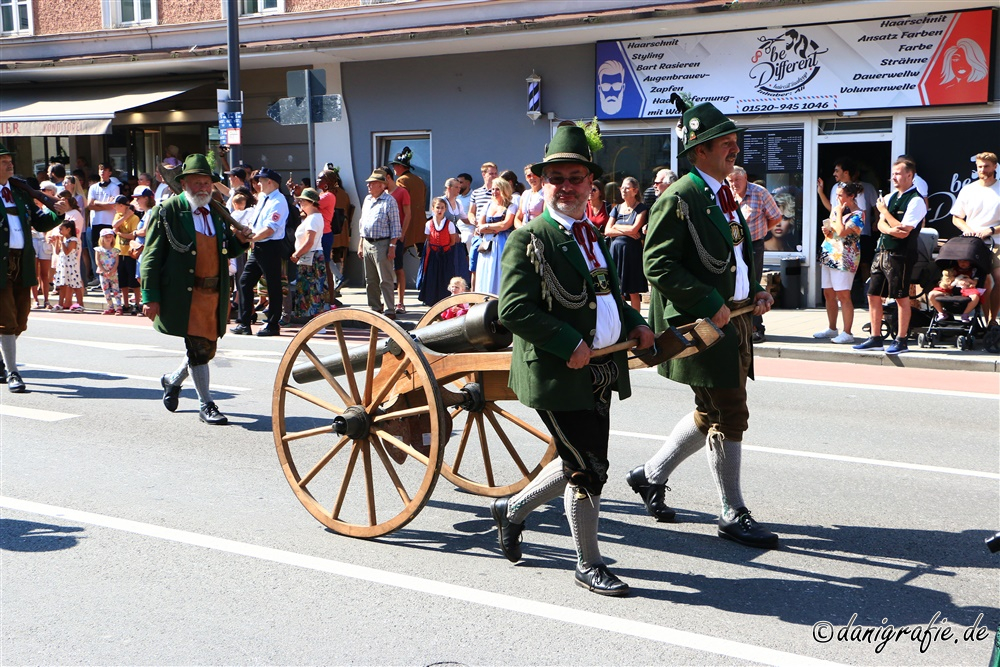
(611, 86)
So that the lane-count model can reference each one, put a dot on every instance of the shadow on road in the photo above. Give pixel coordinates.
(33, 537)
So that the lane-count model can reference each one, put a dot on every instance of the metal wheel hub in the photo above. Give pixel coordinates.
(354, 423)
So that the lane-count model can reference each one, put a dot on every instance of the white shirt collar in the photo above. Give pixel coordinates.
(564, 220)
(710, 182)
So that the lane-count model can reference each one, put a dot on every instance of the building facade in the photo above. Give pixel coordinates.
(813, 80)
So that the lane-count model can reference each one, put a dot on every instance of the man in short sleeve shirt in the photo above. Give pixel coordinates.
(977, 213)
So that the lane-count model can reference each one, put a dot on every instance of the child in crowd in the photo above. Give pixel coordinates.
(964, 278)
(107, 269)
(440, 257)
(456, 285)
(67, 250)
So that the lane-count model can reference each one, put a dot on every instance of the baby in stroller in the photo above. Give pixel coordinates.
(965, 262)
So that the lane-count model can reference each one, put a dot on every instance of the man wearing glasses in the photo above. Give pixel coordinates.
(559, 295)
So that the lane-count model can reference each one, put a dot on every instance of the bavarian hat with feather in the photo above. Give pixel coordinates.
(701, 123)
(569, 145)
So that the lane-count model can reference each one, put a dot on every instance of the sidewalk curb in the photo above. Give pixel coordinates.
(911, 359)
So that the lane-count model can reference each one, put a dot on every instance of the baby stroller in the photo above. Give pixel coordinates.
(973, 250)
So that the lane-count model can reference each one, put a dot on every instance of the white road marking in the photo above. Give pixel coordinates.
(31, 413)
(117, 347)
(120, 376)
(602, 622)
(874, 387)
(836, 457)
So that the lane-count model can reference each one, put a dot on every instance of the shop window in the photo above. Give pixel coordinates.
(636, 155)
(389, 144)
(123, 13)
(15, 17)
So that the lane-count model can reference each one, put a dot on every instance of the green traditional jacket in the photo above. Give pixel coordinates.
(682, 288)
(545, 335)
(168, 273)
(31, 217)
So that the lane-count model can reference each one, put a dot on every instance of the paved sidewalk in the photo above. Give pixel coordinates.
(789, 336)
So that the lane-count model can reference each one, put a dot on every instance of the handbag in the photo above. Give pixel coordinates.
(135, 249)
(485, 245)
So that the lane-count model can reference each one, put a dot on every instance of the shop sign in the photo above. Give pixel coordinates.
(928, 60)
(54, 128)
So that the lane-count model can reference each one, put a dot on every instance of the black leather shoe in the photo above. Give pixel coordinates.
(171, 394)
(746, 531)
(268, 331)
(14, 383)
(651, 494)
(210, 415)
(241, 330)
(600, 580)
(3, 372)
(508, 532)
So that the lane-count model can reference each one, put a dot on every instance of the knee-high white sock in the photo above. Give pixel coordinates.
(582, 512)
(177, 378)
(199, 374)
(724, 457)
(8, 346)
(547, 486)
(682, 442)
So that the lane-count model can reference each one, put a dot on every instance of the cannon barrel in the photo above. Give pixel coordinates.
(479, 330)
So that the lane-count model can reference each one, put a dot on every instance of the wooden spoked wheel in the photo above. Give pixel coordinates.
(360, 445)
(494, 450)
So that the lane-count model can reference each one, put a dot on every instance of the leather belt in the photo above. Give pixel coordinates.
(209, 283)
(12, 210)
(384, 238)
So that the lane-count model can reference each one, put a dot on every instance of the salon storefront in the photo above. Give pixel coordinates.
(809, 95)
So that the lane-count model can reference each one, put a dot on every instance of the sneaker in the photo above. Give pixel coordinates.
(757, 337)
(897, 346)
(826, 333)
(843, 339)
(966, 318)
(108, 311)
(942, 317)
(871, 343)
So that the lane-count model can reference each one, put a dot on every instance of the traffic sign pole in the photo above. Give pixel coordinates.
(309, 131)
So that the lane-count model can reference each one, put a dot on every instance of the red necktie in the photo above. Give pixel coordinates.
(203, 212)
(6, 195)
(584, 234)
(726, 201)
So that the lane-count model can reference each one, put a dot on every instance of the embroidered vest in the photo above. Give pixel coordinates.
(897, 207)
(439, 240)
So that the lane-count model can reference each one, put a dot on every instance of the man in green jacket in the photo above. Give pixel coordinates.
(559, 296)
(18, 216)
(699, 262)
(185, 280)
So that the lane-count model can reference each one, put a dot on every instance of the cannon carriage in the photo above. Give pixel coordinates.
(364, 433)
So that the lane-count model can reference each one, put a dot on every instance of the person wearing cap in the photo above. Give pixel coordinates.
(309, 291)
(402, 197)
(699, 261)
(125, 224)
(267, 221)
(185, 281)
(413, 231)
(18, 217)
(380, 229)
(237, 179)
(560, 297)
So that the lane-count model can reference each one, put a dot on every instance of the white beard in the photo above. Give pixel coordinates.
(198, 200)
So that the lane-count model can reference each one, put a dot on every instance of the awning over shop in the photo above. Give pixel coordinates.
(65, 111)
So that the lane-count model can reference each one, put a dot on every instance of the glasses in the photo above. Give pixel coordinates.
(559, 180)
(616, 86)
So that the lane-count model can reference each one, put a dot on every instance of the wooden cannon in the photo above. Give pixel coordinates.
(361, 428)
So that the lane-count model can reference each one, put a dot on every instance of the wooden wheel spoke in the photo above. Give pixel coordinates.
(327, 375)
(308, 433)
(345, 482)
(390, 469)
(388, 385)
(366, 460)
(370, 367)
(484, 446)
(315, 400)
(401, 414)
(461, 444)
(520, 423)
(323, 461)
(506, 442)
(348, 368)
(456, 412)
(399, 444)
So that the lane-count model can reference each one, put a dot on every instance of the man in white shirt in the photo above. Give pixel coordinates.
(101, 203)
(977, 213)
(268, 224)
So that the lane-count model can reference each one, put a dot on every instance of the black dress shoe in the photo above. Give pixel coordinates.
(746, 531)
(600, 580)
(268, 331)
(241, 330)
(651, 494)
(3, 372)
(508, 532)
(14, 383)
(210, 414)
(171, 394)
